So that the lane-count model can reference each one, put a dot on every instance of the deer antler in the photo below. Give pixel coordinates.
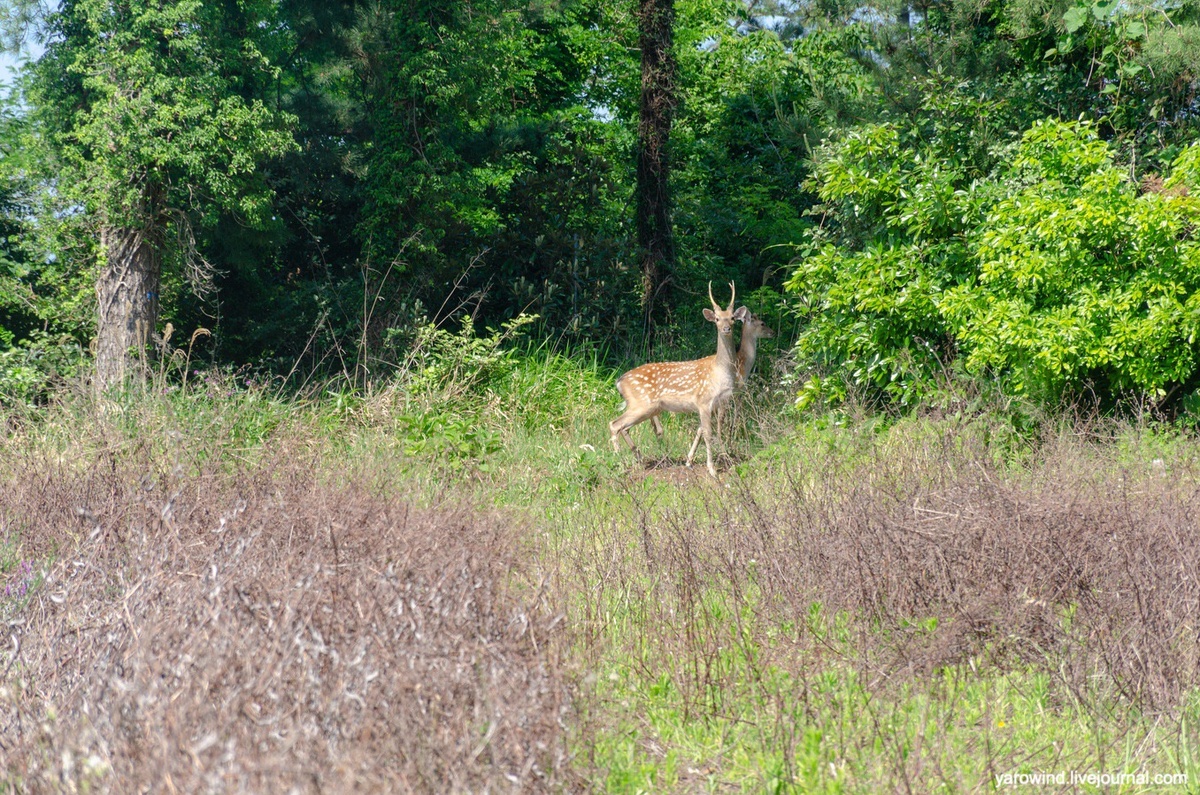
(732, 297)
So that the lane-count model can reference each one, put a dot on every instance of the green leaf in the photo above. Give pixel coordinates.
(1075, 18)
(1103, 9)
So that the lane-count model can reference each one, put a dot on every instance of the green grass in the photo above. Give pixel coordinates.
(753, 701)
(952, 730)
(956, 732)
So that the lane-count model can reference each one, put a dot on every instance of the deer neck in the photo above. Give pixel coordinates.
(747, 353)
(726, 358)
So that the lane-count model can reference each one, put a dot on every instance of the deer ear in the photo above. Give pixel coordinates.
(710, 316)
(742, 314)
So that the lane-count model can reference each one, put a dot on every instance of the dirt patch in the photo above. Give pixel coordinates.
(669, 469)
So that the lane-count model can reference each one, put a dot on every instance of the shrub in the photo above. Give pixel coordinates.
(31, 369)
(1080, 278)
(892, 239)
(1055, 273)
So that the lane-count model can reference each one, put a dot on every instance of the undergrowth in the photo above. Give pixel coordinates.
(861, 603)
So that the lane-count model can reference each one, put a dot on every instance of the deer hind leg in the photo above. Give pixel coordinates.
(726, 407)
(656, 423)
(695, 444)
(621, 425)
(615, 430)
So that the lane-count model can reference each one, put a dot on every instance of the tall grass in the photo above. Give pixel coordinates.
(226, 599)
(452, 582)
(893, 612)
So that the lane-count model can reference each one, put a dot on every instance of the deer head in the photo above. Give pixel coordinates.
(724, 318)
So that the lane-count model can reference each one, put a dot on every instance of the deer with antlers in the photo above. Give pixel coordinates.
(753, 330)
(699, 386)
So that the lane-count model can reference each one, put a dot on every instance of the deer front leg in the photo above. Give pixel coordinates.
(695, 444)
(706, 429)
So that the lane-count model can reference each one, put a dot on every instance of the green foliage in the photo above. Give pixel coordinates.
(1056, 273)
(1138, 56)
(448, 386)
(43, 303)
(454, 368)
(447, 70)
(36, 366)
(892, 237)
(486, 168)
(1081, 278)
(147, 104)
(450, 437)
(755, 103)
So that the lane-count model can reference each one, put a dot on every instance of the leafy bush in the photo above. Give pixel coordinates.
(445, 367)
(1055, 273)
(455, 438)
(30, 369)
(1081, 278)
(448, 385)
(892, 239)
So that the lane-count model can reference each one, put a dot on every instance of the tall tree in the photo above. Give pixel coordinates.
(756, 101)
(656, 20)
(440, 80)
(488, 172)
(155, 111)
(286, 275)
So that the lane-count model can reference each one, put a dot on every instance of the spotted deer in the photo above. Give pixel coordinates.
(753, 329)
(699, 386)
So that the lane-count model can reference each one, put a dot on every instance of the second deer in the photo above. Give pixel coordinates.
(699, 386)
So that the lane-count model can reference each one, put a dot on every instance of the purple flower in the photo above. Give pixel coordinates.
(25, 577)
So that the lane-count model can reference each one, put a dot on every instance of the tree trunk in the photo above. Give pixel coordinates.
(655, 19)
(127, 314)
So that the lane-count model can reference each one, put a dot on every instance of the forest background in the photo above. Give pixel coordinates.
(996, 190)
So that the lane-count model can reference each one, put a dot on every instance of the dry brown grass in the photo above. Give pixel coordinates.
(904, 560)
(1074, 563)
(268, 631)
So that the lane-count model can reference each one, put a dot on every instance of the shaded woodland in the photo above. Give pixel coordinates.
(1002, 190)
